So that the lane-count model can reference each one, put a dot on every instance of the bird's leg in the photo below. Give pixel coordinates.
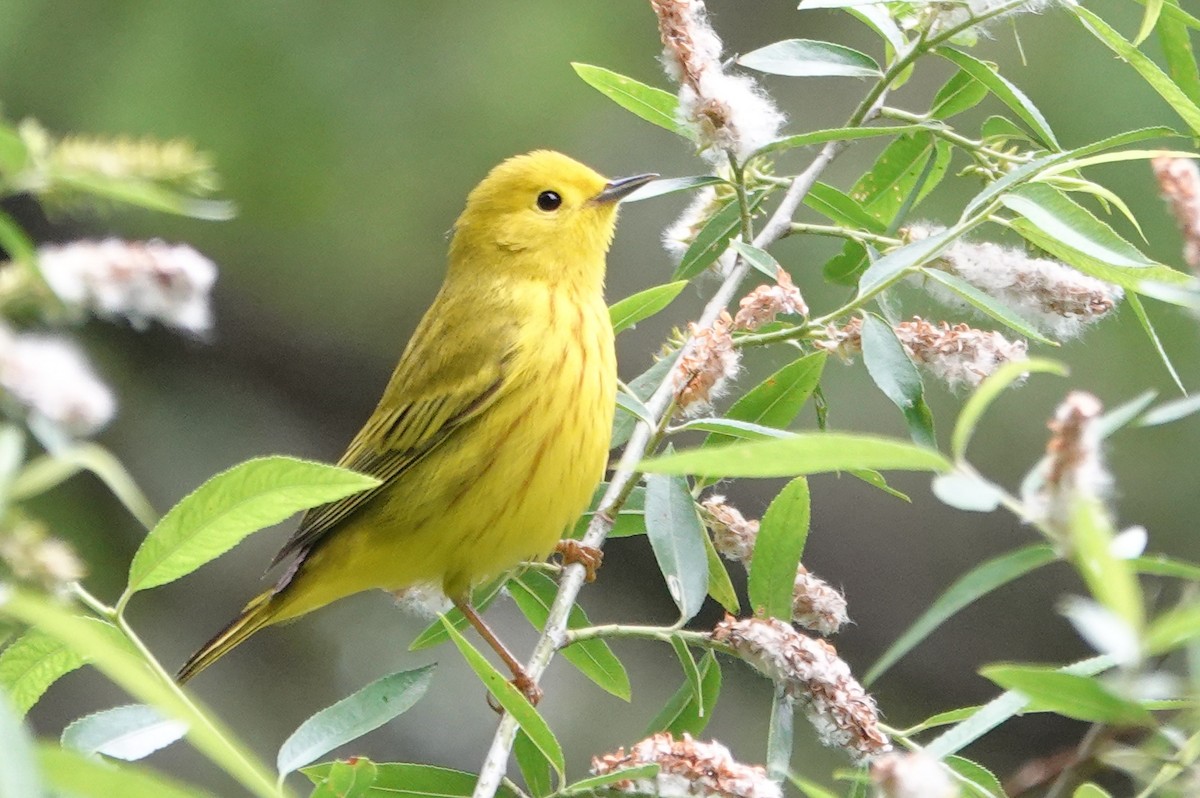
(589, 557)
(521, 680)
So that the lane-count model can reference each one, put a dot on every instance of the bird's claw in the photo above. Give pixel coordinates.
(590, 557)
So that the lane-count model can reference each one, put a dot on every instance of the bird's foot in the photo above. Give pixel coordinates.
(590, 557)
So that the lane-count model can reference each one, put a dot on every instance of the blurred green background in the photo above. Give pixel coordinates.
(348, 135)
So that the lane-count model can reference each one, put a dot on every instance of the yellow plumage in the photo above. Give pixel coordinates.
(494, 429)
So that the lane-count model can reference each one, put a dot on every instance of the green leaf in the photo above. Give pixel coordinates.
(1161, 565)
(69, 773)
(644, 304)
(682, 711)
(807, 453)
(967, 492)
(810, 788)
(535, 768)
(36, 660)
(350, 779)
(643, 387)
(1168, 412)
(1149, 20)
(589, 786)
(19, 771)
(966, 590)
(534, 593)
(713, 239)
(759, 259)
(1173, 629)
(876, 480)
(513, 701)
(235, 503)
(987, 393)
(777, 551)
(1005, 91)
(777, 400)
(1111, 580)
(44, 473)
(672, 185)
(898, 173)
(656, 106)
(1148, 327)
(628, 403)
(1037, 166)
(892, 266)
(1177, 50)
(981, 720)
(806, 58)
(14, 155)
(841, 208)
(961, 93)
(630, 521)
(1116, 419)
(435, 633)
(15, 241)
(129, 732)
(720, 587)
(742, 430)
(350, 718)
(1057, 215)
(1150, 72)
(978, 780)
(1090, 790)
(837, 134)
(677, 538)
(987, 305)
(1146, 280)
(894, 373)
(691, 673)
(403, 780)
(147, 195)
(1070, 695)
(130, 673)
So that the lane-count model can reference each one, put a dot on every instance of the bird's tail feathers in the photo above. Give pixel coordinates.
(257, 614)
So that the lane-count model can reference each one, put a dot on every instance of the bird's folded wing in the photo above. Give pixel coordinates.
(410, 422)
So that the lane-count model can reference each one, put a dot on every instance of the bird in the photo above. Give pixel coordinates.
(494, 429)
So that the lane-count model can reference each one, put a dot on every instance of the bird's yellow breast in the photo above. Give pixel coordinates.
(499, 492)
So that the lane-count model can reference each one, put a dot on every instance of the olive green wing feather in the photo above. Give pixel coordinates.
(419, 410)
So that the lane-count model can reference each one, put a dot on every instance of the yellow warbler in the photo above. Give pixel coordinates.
(494, 428)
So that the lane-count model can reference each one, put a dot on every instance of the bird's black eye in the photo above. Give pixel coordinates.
(549, 200)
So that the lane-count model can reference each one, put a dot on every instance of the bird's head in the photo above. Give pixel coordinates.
(555, 215)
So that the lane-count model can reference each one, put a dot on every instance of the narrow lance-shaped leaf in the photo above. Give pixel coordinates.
(713, 239)
(672, 185)
(1070, 695)
(534, 593)
(405, 780)
(775, 401)
(837, 134)
(1177, 51)
(1148, 327)
(777, 551)
(896, 375)
(807, 453)
(987, 393)
(967, 589)
(961, 93)
(643, 305)
(691, 672)
(513, 701)
(535, 768)
(1005, 91)
(720, 587)
(682, 711)
(358, 713)
(654, 105)
(224, 510)
(350, 779)
(676, 536)
(129, 732)
(1150, 72)
(987, 305)
(808, 58)
(1059, 216)
(589, 786)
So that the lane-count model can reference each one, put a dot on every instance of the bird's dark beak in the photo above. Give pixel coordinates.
(622, 187)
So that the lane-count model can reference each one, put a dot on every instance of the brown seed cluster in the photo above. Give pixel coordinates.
(708, 363)
(957, 354)
(765, 302)
(841, 711)
(1073, 467)
(733, 534)
(687, 767)
(1179, 184)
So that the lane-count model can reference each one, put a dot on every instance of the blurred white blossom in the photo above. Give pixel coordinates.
(1073, 468)
(911, 775)
(140, 281)
(1179, 184)
(52, 379)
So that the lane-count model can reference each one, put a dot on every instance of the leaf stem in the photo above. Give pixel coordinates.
(844, 232)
